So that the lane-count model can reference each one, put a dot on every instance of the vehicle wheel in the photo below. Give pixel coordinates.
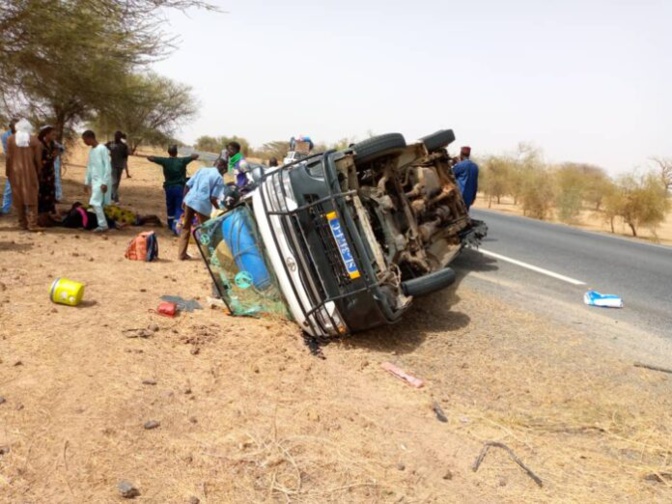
(375, 147)
(429, 283)
(438, 140)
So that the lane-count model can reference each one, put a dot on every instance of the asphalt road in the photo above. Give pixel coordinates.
(559, 262)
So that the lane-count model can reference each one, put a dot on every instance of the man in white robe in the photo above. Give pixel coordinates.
(98, 178)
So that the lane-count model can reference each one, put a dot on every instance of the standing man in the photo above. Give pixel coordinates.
(201, 193)
(466, 173)
(237, 164)
(7, 194)
(175, 175)
(119, 156)
(24, 162)
(98, 178)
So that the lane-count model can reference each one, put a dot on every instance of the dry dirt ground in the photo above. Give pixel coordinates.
(247, 415)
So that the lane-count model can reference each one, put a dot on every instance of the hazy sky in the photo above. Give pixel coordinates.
(584, 80)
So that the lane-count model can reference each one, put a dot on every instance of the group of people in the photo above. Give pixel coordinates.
(33, 183)
(33, 186)
(193, 198)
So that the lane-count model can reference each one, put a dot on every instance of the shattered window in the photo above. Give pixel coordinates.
(234, 254)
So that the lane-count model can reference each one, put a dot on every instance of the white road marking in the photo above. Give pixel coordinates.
(532, 268)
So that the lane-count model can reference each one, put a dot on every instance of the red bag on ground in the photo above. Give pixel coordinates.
(167, 309)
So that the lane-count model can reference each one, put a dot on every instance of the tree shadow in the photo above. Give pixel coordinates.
(11, 246)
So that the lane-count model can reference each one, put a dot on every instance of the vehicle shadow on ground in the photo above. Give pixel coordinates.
(433, 314)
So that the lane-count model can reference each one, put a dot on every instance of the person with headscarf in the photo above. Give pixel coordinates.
(237, 164)
(98, 178)
(7, 194)
(46, 201)
(466, 173)
(24, 162)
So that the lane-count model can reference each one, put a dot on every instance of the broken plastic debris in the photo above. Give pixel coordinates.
(594, 298)
(400, 373)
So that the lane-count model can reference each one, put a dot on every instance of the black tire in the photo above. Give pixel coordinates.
(438, 140)
(378, 146)
(427, 284)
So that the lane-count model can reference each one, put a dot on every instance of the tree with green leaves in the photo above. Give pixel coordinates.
(496, 178)
(639, 200)
(60, 60)
(148, 108)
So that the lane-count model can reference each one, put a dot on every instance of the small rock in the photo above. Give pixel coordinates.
(4, 450)
(149, 382)
(143, 290)
(448, 475)
(194, 500)
(195, 351)
(3, 287)
(91, 259)
(2, 400)
(187, 390)
(76, 237)
(19, 407)
(152, 424)
(401, 466)
(256, 369)
(502, 482)
(127, 490)
(54, 310)
(18, 363)
(75, 254)
(193, 420)
(153, 327)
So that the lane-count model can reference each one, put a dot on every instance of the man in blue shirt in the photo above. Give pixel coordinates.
(7, 194)
(466, 173)
(201, 193)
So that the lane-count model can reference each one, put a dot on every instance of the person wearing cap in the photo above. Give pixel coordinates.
(466, 173)
(119, 156)
(175, 178)
(7, 194)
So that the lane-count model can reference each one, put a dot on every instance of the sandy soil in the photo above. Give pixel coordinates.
(590, 220)
(246, 414)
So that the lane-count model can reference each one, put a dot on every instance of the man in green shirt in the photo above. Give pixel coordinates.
(175, 175)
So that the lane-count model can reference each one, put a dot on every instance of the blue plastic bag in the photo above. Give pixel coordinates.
(594, 298)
